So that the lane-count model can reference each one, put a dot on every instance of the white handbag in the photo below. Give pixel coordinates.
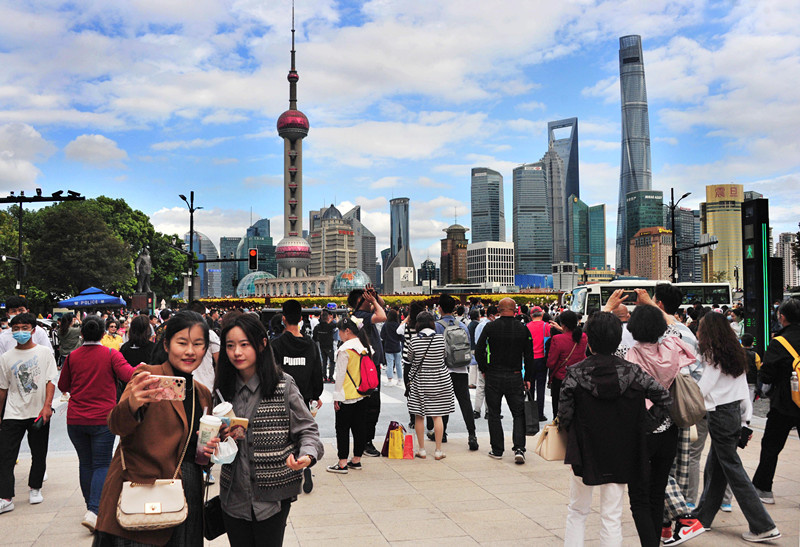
(550, 443)
(153, 506)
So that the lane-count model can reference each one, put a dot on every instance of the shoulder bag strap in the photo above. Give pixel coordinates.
(185, 446)
(570, 354)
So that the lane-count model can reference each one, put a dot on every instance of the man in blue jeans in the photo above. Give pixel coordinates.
(500, 350)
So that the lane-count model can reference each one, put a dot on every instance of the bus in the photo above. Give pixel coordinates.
(586, 299)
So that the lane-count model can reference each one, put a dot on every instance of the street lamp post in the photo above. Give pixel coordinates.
(190, 204)
(673, 205)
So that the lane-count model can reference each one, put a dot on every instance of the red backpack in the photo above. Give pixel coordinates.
(369, 375)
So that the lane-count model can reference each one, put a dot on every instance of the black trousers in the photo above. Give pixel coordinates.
(555, 393)
(351, 418)
(506, 384)
(11, 433)
(327, 357)
(461, 390)
(647, 494)
(539, 383)
(255, 533)
(776, 432)
(372, 411)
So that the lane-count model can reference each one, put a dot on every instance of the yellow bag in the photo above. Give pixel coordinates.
(396, 444)
(795, 365)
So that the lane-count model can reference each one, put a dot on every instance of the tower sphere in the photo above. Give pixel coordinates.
(293, 252)
(293, 125)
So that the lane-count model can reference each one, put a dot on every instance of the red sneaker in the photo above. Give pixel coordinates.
(666, 532)
(685, 529)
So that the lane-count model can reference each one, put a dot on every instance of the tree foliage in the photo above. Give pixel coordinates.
(796, 247)
(168, 266)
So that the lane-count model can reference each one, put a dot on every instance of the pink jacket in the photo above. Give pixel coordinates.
(664, 360)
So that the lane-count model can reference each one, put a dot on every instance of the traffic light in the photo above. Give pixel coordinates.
(252, 259)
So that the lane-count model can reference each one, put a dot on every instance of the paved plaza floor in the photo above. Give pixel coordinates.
(465, 499)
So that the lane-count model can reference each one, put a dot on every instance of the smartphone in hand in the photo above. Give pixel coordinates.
(173, 388)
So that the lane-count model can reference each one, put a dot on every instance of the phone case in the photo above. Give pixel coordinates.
(174, 386)
(238, 428)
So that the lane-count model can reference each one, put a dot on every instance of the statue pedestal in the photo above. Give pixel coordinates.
(143, 301)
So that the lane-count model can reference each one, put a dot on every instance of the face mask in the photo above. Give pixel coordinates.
(22, 336)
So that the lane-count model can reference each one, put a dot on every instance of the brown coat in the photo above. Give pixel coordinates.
(152, 450)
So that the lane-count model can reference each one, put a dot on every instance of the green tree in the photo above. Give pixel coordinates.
(796, 247)
(74, 248)
(718, 277)
(131, 225)
(169, 266)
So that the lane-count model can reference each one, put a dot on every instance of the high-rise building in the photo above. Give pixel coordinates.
(293, 252)
(454, 255)
(697, 274)
(684, 233)
(333, 246)
(365, 243)
(721, 217)
(562, 181)
(791, 270)
(229, 270)
(208, 272)
(533, 236)
(650, 252)
(488, 206)
(643, 209)
(587, 234)
(399, 245)
(635, 169)
(427, 271)
(491, 262)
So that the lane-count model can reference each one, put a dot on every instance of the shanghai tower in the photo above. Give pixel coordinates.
(635, 171)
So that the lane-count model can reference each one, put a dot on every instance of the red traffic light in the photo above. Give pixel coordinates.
(253, 252)
(252, 261)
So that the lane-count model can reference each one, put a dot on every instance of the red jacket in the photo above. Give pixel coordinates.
(89, 375)
(562, 354)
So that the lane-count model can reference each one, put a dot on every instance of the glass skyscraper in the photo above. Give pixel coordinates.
(562, 181)
(488, 206)
(533, 241)
(643, 209)
(398, 214)
(588, 233)
(635, 170)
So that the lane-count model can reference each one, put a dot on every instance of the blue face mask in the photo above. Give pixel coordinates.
(21, 336)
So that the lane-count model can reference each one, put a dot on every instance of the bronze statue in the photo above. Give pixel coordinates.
(143, 268)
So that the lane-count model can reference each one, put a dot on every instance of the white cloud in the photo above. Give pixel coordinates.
(263, 180)
(188, 145)
(96, 150)
(20, 147)
(669, 140)
(213, 222)
(600, 145)
(385, 182)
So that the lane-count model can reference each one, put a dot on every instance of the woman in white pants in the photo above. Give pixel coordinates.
(602, 408)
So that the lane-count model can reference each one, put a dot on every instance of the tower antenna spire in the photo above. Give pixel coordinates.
(293, 76)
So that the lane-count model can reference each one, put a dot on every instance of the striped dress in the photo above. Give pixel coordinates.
(431, 391)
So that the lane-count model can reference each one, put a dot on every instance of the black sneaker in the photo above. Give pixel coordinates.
(354, 466)
(432, 437)
(473, 443)
(308, 483)
(519, 457)
(476, 414)
(336, 468)
(371, 451)
(495, 455)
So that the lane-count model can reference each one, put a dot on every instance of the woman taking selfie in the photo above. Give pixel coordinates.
(282, 438)
(155, 434)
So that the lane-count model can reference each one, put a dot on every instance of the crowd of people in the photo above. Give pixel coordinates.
(609, 378)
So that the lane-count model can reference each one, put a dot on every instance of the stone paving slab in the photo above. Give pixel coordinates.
(464, 499)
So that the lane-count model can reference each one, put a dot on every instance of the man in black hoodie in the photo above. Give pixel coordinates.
(323, 335)
(297, 354)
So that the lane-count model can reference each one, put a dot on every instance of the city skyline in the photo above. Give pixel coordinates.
(148, 102)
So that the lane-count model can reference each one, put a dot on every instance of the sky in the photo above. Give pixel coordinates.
(146, 99)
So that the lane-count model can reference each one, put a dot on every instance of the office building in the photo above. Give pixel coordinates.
(684, 232)
(427, 271)
(791, 270)
(562, 180)
(491, 262)
(531, 230)
(399, 247)
(488, 206)
(635, 169)
(229, 274)
(650, 251)
(643, 209)
(720, 217)
(257, 237)
(365, 244)
(208, 273)
(453, 263)
(697, 273)
(587, 234)
(333, 246)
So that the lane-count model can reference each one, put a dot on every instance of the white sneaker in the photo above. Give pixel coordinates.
(90, 521)
(6, 506)
(35, 496)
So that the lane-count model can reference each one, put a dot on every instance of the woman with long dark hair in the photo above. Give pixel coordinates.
(724, 387)
(138, 348)
(281, 441)
(566, 349)
(348, 403)
(154, 432)
(69, 336)
(407, 330)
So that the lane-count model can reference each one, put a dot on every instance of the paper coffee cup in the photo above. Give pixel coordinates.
(209, 428)
(224, 410)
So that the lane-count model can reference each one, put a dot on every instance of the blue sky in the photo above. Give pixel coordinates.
(148, 99)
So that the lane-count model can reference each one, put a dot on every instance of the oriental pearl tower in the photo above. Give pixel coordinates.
(293, 252)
